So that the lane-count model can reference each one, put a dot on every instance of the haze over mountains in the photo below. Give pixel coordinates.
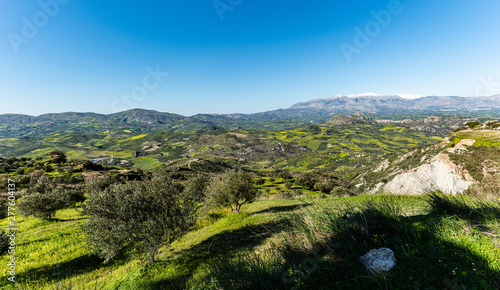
(316, 110)
(377, 104)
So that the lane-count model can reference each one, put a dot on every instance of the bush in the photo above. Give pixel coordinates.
(339, 191)
(40, 205)
(58, 156)
(233, 188)
(260, 181)
(284, 195)
(307, 181)
(285, 175)
(324, 186)
(20, 171)
(47, 200)
(3, 209)
(100, 184)
(195, 187)
(4, 243)
(141, 214)
(91, 166)
(472, 125)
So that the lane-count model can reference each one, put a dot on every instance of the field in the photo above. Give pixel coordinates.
(246, 250)
(308, 148)
(313, 218)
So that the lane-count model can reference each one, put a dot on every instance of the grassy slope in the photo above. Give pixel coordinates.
(52, 253)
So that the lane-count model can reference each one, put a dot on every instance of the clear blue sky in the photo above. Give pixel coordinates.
(256, 56)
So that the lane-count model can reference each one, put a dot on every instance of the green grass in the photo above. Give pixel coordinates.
(145, 163)
(486, 138)
(429, 246)
(433, 248)
(255, 146)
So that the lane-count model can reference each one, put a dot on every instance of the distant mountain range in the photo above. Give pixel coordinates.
(381, 104)
(316, 110)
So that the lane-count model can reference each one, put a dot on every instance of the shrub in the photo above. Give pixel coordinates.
(306, 181)
(47, 200)
(141, 214)
(40, 205)
(195, 188)
(4, 243)
(339, 191)
(58, 156)
(3, 209)
(260, 181)
(472, 125)
(284, 195)
(285, 175)
(324, 186)
(233, 188)
(297, 192)
(99, 184)
(89, 165)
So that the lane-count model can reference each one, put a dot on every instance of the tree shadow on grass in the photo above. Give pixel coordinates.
(285, 208)
(226, 244)
(67, 270)
(426, 258)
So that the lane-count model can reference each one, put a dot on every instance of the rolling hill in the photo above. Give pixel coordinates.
(315, 111)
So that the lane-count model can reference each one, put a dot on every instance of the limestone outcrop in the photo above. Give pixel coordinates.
(438, 174)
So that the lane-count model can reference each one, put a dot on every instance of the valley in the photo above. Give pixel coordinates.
(312, 183)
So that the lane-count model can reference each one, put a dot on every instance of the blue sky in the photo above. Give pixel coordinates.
(239, 56)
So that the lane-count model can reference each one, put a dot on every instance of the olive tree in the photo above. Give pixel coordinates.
(58, 156)
(44, 202)
(143, 215)
(232, 189)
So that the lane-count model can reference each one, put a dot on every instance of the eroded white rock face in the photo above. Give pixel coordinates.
(378, 260)
(440, 174)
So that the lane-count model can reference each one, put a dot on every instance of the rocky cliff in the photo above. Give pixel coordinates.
(438, 174)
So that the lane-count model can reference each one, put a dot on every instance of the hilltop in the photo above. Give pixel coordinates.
(393, 104)
(378, 107)
(356, 118)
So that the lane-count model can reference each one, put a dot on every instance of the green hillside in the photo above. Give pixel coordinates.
(243, 251)
(307, 148)
(312, 218)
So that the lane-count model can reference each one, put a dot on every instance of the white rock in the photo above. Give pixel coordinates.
(378, 260)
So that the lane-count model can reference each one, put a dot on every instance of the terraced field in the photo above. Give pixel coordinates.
(305, 148)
